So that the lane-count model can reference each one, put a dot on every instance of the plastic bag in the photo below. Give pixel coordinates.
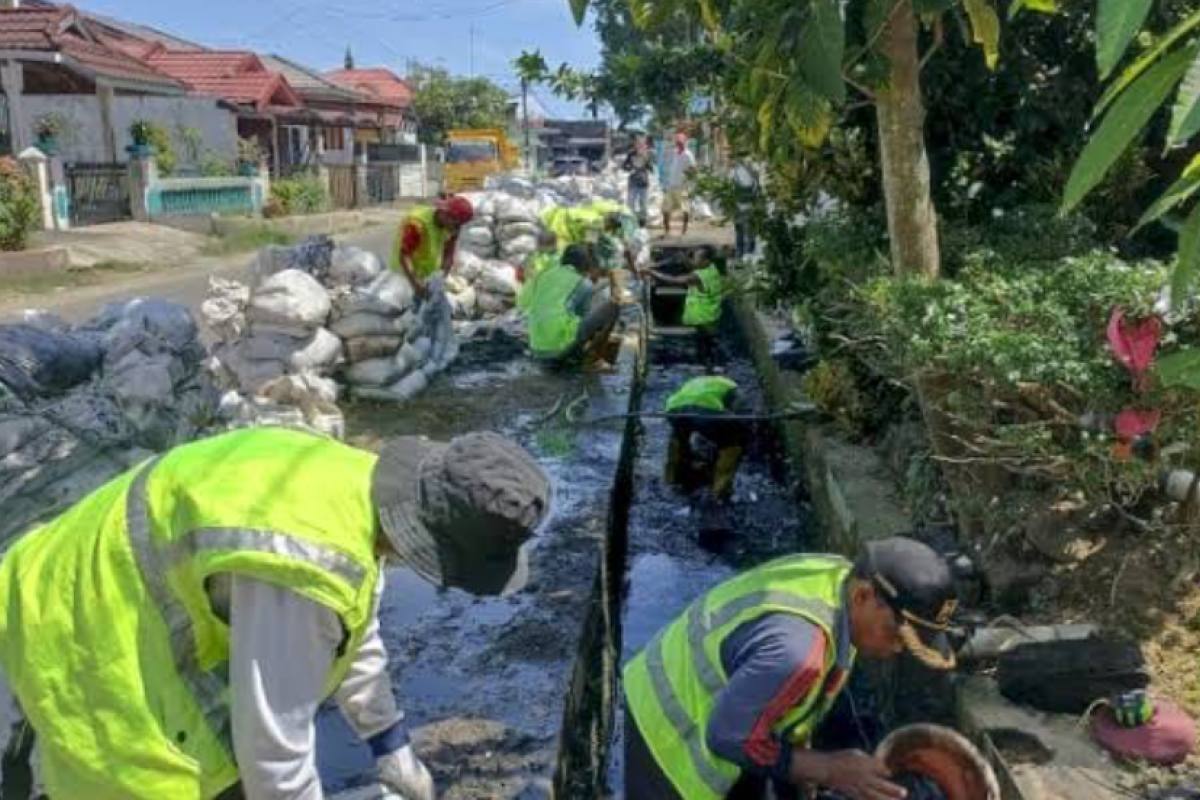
(373, 372)
(364, 348)
(353, 266)
(364, 324)
(40, 363)
(291, 298)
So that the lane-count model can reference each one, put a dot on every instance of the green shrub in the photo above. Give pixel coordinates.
(20, 207)
(300, 195)
(213, 165)
(833, 387)
(164, 152)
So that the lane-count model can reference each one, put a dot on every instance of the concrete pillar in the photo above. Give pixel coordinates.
(39, 167)
(361, 197)
(12, 80)
(104, 94)
(424, 171)
(58, 190)
(143, 175)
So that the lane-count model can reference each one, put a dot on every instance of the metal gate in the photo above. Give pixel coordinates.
(99, 193)
(383, 183)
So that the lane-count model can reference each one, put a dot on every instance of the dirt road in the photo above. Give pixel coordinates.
(186, 283)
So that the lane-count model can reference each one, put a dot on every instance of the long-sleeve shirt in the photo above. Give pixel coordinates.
(772, 662)
(282, 649)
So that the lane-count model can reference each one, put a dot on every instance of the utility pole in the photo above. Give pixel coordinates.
(529, 158)
(472, 48)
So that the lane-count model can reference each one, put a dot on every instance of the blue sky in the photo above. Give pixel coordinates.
(380, 32)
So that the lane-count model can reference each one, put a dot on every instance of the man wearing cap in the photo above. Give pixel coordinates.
(175, 632)
(727, 698)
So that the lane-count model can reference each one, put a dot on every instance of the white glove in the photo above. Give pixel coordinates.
(404, 772)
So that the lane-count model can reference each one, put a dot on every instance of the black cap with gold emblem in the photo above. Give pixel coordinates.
(918, 584)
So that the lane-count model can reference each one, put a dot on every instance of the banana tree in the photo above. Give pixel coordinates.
(798, 62)
(1165, 75)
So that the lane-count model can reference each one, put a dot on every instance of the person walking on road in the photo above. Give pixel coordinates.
(746, 183)
(679, 171)
(727, 697)
(639, 163)
(174, 633)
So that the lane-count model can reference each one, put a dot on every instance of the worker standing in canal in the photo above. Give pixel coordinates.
(701, 408)
(727, 697)
(705, 303)
(568, 324)
(176, 631)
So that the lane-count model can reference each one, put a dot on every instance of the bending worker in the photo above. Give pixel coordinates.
(568, 325)
(728, 696)
(177, 630)
(428, 241)
(699, 409)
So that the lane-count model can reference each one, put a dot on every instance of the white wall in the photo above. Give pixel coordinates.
(84, 139)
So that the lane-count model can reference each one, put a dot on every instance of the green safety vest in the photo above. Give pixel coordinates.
(711, 393)
(109, 639)
(541, 262)
(573, 225)
(546, 301)
(428, 258)
(703, 305)
(673, 684)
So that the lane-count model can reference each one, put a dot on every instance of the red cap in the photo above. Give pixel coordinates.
(459, 209)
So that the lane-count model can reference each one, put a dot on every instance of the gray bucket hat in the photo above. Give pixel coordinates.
(458, 513)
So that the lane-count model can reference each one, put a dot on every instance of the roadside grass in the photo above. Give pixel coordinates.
(247, 241)
(34, 283)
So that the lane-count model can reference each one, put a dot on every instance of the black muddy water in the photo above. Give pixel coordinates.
(483, 680)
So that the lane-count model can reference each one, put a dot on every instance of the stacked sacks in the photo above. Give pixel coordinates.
(275, 355)
(80, 405)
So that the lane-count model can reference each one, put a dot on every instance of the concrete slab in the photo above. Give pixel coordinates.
(1041, 756)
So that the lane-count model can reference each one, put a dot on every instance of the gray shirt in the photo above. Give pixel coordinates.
(772, 663)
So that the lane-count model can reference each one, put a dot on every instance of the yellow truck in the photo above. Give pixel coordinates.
(476, 154)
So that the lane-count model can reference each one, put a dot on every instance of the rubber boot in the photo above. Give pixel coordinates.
(725, 472)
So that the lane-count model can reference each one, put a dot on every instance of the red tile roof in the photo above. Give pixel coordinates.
(382, 85)
(237, 76)
(63, 31)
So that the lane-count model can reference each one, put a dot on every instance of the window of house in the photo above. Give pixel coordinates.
(335, 138)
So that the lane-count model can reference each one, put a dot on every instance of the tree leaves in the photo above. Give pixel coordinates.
(1185, 118)
(1180, 370)
(1180, 192)
(579, 9)
(1189, 259)
(820, 48)
(985, 29)
(1117, 22)
(1124, 123)
(1138, 67)
(1040, 6)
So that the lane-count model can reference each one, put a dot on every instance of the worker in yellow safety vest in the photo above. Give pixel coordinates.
(428, 240)
(568, 325)
(725, 700)
(704, 306)
(700, 409)
(173, 634)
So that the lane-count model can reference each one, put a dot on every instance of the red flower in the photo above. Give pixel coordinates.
(1134, 345)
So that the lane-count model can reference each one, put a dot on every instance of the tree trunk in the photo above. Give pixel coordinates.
(912, 220)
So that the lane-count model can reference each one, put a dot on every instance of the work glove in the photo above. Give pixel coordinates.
(403, 772)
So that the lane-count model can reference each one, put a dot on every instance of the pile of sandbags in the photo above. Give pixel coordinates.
(482, 288)
(331, 319)
(275, 356)
(80, 405)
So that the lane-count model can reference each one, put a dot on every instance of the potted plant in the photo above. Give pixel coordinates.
(49, 127)
(141, 132)
(249, 157)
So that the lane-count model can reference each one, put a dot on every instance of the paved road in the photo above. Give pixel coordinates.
(186, 284)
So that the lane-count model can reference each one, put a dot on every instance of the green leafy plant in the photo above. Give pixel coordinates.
(140, 132)
(300, 195)
(249, 151)
(192, 141)
(50, 125)
(214, 165)
(20, 207)
(834, 389)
